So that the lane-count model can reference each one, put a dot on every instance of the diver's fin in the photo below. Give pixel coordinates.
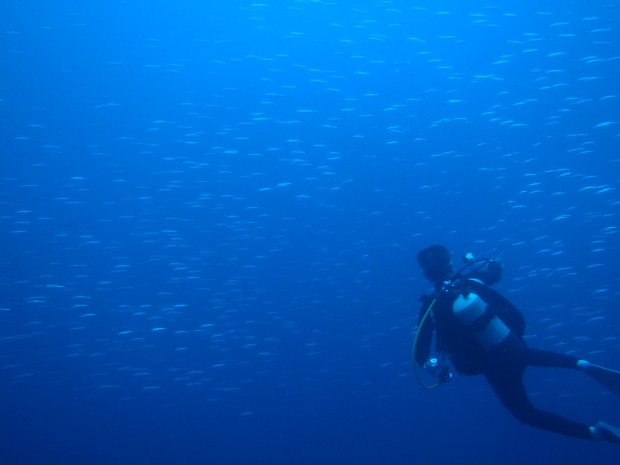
(610, 379)
(605, 432)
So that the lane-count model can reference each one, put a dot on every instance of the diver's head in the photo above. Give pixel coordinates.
(436, 264)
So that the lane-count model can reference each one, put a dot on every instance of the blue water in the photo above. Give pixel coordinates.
(210, 212)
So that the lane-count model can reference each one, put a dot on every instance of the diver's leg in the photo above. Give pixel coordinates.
(547, 359)
(508, 386)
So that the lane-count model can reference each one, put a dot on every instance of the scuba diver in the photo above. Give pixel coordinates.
(480, 332)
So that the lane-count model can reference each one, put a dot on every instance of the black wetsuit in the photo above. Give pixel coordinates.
(504, 365)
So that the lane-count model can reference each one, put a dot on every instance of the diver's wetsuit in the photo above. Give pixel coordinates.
(502, 365)
(506, 380)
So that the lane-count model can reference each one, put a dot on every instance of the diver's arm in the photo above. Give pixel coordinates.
(501, 306)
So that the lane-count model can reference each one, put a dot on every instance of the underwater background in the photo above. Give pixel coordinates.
(210, 210)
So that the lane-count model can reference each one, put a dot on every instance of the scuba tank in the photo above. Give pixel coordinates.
(487, 328)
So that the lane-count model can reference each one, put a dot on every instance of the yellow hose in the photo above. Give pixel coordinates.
(415, 346)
